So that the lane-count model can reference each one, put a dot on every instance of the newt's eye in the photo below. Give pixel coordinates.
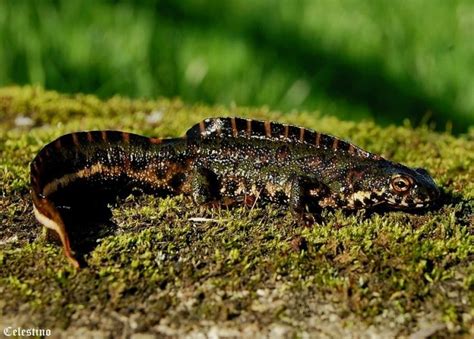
(401, 183)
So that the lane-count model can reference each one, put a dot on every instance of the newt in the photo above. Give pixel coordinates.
(228, 161)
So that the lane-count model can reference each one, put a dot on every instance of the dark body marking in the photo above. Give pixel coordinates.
(224, 159)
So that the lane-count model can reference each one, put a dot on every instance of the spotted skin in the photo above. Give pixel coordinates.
(227, 160)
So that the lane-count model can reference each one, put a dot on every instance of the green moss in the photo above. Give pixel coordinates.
(169, 265)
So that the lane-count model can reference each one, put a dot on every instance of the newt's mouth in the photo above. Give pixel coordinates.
(409, 206)
(410, 203)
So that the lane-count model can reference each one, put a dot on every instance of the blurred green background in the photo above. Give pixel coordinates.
(355, 59)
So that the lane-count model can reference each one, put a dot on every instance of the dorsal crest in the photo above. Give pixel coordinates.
(234, 127)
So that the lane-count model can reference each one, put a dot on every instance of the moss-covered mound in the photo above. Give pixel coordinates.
(165, 266)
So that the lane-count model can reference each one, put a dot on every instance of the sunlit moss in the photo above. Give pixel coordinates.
(242, 264)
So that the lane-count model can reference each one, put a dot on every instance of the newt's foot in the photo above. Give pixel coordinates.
(304, 218)
(307, 219)
(214, 204)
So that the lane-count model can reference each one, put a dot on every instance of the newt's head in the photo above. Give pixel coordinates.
(411, 188)
(395, 186)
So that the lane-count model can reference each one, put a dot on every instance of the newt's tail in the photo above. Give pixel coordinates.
(47, 214)
(96, 162)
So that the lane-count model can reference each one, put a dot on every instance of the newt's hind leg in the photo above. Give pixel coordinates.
(204, 187)
(47, 214)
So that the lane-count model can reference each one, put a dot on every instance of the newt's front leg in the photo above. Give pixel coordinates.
(304, 193)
